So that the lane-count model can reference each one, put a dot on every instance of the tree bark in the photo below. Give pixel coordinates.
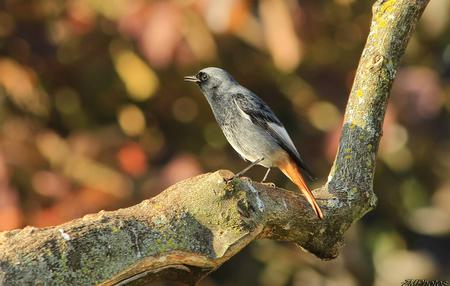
(196, 225)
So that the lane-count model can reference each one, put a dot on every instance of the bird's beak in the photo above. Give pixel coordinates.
(191, 78)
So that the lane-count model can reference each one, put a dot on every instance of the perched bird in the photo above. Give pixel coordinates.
(252, 128)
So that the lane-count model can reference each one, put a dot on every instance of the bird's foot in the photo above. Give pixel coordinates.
(229, 179)
(269, 184)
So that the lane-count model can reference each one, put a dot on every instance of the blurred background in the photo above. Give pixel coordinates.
(94, 114)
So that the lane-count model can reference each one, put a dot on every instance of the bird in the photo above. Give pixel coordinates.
(253, 129)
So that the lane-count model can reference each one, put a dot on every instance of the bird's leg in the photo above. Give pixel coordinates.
(264, 179)
(266, 175)
(248, 168)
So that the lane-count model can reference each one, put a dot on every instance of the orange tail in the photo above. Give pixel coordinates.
(290, 169)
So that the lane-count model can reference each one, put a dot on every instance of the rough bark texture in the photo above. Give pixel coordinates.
(196, 225)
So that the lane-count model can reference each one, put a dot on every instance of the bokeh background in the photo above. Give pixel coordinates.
(94, 115)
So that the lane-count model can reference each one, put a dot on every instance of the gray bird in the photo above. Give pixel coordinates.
(252, 128)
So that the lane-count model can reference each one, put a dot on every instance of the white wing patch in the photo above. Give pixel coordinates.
(281, 131)
(246, 116)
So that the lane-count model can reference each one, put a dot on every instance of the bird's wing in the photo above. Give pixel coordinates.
(258, 112)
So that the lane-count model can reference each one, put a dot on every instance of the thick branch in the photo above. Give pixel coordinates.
(351, 177)
(196, 225)
(182, 234)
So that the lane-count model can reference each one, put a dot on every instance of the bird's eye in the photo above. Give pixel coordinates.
(203, 76)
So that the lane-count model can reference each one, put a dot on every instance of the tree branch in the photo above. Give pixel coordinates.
(196, 225)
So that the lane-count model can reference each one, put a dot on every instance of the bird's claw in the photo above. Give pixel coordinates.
(227, 180)
(269, 184)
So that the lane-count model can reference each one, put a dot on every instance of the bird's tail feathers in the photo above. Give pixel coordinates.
(290, 169)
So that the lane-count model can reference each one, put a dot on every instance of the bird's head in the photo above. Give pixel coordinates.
(212, 79)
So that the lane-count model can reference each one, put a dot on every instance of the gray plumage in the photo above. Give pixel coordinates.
(247, 122)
